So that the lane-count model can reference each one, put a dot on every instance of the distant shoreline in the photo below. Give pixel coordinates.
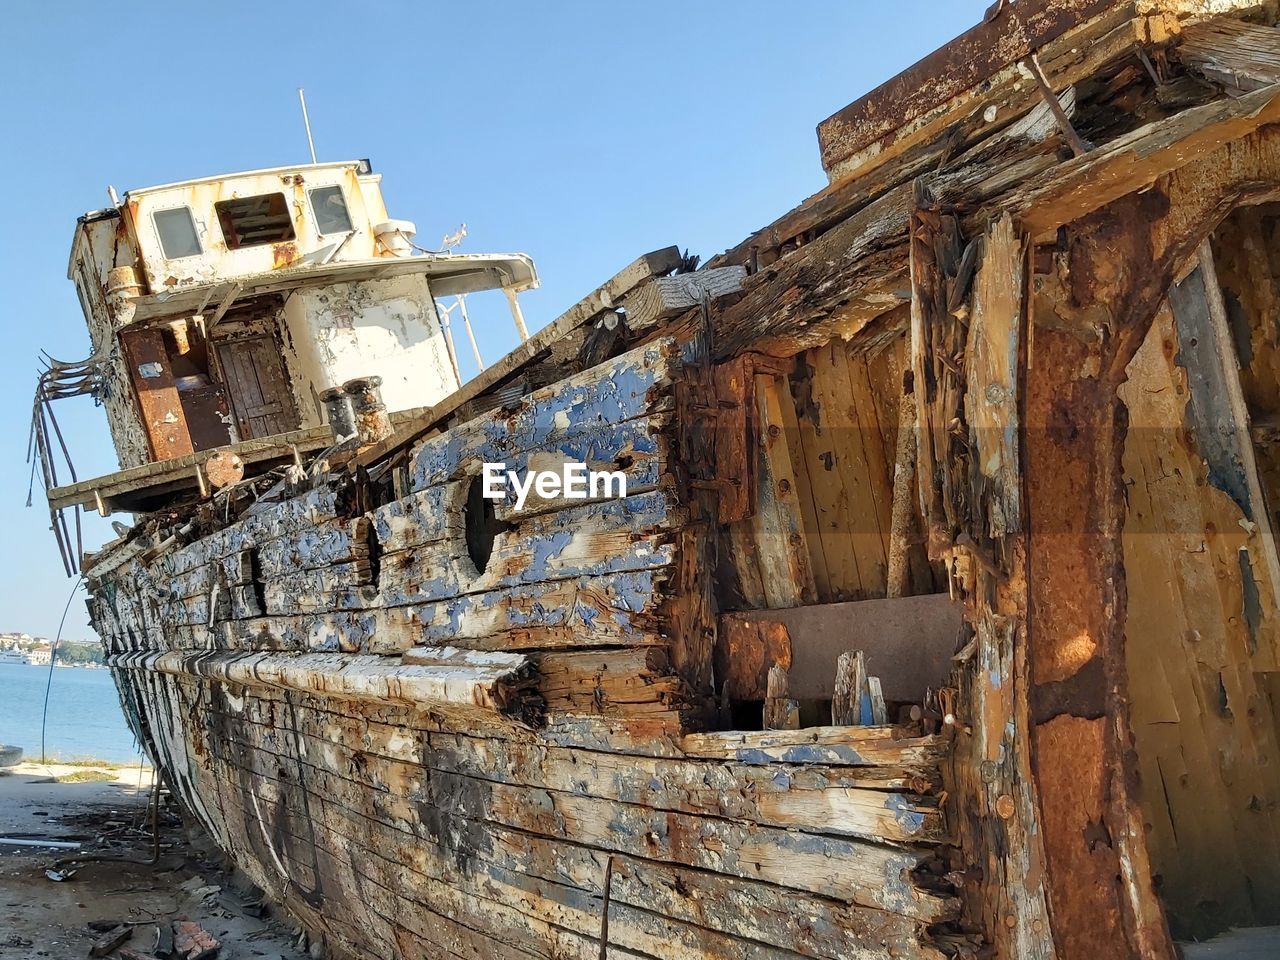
(83, 720)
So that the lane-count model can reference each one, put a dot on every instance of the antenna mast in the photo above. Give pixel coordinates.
(302, 99)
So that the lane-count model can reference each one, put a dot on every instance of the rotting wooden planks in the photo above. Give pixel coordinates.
(604, 396)
(444, 679)
(872, 875)
(606, 610)
(605, 297)
(329, 751)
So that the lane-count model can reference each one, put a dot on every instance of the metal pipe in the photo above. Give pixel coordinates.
(447, 329)
(516, 313)
(306, 120)
(466, 322)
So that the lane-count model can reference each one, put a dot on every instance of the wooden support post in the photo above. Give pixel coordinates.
(851, 677)
(875, 697)
(1100, 893)
(902, 525)
(1220, 418)
(780, 712)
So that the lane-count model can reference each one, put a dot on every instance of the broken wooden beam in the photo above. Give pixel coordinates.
(440, 678)
(850, 683)
(1135, 160)
(665, 297)
(955, 78)
(780, 711)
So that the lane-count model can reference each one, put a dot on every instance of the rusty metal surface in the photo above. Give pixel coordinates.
(159, 403)
(946, 73)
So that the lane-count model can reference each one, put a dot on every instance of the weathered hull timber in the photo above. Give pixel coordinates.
(411, 800)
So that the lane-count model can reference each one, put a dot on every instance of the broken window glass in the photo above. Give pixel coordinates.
(177, 231)
(331, 210)
(249, 221)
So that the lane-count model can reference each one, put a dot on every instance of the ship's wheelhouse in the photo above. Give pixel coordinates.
(222, 311)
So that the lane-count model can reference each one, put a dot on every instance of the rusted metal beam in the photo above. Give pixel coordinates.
(959, 66)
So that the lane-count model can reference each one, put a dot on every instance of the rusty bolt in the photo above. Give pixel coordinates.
(1005, 807)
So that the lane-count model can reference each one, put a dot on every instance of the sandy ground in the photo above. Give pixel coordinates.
(107, 811)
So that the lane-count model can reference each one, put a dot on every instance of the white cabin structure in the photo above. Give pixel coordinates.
(221, 309)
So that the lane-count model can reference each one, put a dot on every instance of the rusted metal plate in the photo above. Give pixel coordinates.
(158, 399)
(946, 73)
(747, 646)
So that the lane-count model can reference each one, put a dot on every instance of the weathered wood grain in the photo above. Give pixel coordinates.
(618, 390)
(991, 353)
(447, 679)
(618, 609)
(667, 297)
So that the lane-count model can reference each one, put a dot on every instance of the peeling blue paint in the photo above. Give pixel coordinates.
(586, 614)
(587, 421)
(803, 753)
(909, 819)
(545, 550)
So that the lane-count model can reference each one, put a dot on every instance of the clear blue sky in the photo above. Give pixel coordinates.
(581, 133)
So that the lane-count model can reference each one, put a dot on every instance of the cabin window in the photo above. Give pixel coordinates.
(330, 209)
(250, 221)
(177, 231)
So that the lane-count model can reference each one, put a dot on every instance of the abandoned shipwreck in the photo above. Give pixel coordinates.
(938, 618)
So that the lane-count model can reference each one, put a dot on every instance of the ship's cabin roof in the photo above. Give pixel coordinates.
(268, 231)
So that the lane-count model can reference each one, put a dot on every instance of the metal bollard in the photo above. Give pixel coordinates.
(373, 423)
(340, 412)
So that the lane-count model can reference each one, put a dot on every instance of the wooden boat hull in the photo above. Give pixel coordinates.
(537, 788)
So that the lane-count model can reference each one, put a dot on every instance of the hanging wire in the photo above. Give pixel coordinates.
(53, 659)
(60, 379)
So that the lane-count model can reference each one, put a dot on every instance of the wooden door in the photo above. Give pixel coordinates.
(257, 388)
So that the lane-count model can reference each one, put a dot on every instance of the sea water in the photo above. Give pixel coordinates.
(85, 719)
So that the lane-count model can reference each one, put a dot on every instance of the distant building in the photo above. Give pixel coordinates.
(39, 656)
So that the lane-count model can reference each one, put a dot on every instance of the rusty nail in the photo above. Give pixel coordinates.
(1005, 807)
